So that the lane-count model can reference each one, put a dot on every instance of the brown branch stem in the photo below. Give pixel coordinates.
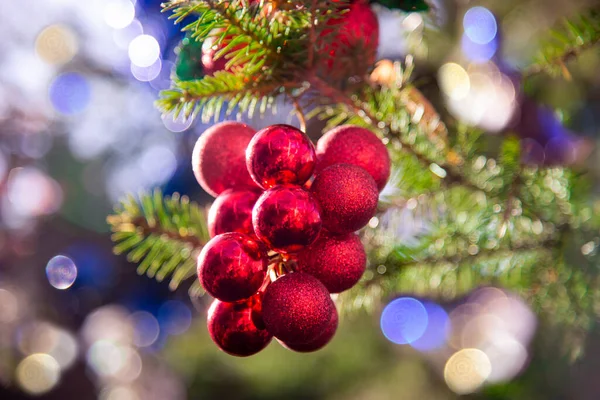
(142, 224)
(562, 59)
(547, 244)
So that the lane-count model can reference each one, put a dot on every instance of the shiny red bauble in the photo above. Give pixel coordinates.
(337, 261)
(347, 195)
(232, 326)
(232, 212)
(358, 146)
(286, 218)
(219, 158)
(319, 342)
(232, 266)
(280, 154)
(297, 308)
(356, 29)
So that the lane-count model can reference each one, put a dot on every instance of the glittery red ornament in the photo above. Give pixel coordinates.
(232, 212)
(232, 266)
(347, 195)
(280, 154)
(219, 157)
(286, 218)
(337, 261)
(297, 308)
(358, 146)
(319, 342)
(357, 28)
(232, 327)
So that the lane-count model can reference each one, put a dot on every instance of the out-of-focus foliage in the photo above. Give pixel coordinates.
(162, 234)
(566, 42)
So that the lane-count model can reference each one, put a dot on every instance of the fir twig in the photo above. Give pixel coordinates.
(162, 234)
(571, 38)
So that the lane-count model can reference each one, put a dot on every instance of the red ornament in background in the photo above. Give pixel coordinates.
(357, 146)
(219, 158)
(232, 266)
(280, 154)
(233, 327)
(232, 212)
(357, 29)
(286, 218)
(337, 261)
(319, 342)
(210, 48)
(297, 308)
(347, 195)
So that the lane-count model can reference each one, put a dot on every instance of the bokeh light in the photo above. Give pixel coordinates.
(178, 124)
(120, 392)
(467, 370)
(507, 355)
(61, 272)
(454, 81)
(157, 163)
(404, 320)
(110, 323)
(70, 93)
(119, 14)
(436, 333)
(47, 338)
(56, 44)
(122, 37)
(480, 95)
(144, 50)
(9, 306)
(45, 199)
(174, 317)
(106, 358)
(480, 25)
(146, 74)
(37, 373)
(477, 52)
(145, 328)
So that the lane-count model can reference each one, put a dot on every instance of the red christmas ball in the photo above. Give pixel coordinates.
(319, 342)
(232, 212)
(232, 327)
(347, 195)
(280, 154)
(286, 218)
(297, 308)
(357, 28)
(337, 261)
(219, 158)
(357, 146)
(232, 266)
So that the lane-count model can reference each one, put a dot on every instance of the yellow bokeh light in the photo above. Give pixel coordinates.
(38, 373)
(56, 44)
(454, 81)
(467, 370)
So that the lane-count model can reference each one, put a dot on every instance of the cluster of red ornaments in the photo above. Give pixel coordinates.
(281, 242)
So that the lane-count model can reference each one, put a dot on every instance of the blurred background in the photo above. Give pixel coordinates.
(78, 131)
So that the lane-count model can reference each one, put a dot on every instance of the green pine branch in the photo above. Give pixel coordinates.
(569, 39)
(162, 234)
(212, 94)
